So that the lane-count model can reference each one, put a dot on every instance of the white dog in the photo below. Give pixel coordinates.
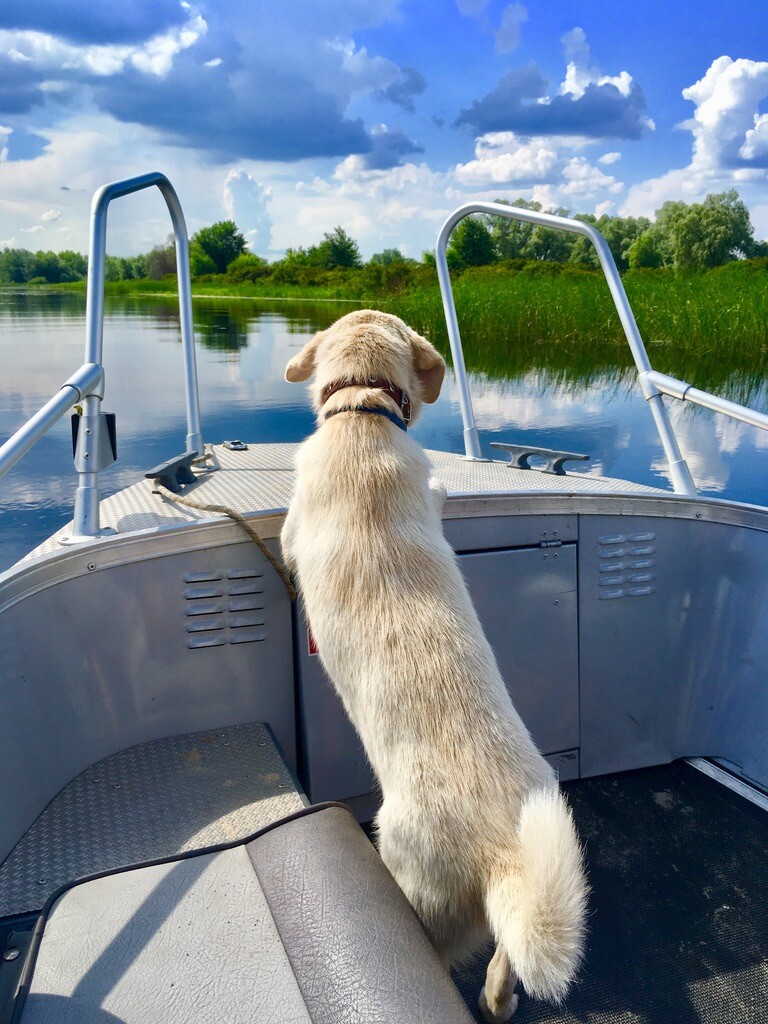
(472, 824)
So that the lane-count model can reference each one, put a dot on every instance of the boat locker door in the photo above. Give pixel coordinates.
(527, 603)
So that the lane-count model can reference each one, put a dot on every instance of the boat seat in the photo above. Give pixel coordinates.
(303, 923)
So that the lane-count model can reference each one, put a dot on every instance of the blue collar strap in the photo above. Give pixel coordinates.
(377, 412)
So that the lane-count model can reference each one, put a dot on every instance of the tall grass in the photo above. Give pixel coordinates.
(705, 327)
(709, 327)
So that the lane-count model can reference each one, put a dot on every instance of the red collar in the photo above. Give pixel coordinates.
(399, 396)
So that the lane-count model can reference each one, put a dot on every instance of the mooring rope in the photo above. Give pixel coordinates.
(241, 521)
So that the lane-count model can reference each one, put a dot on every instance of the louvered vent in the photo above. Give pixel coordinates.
(224, 608)
(627, 566)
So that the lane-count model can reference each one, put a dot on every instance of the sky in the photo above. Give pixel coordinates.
(382, 116)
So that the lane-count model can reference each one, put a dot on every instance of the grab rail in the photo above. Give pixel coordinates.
(682, 481)
(86, 386)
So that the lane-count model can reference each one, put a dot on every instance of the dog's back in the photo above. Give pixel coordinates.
(472, 825)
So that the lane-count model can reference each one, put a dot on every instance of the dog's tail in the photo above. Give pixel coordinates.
(536, 904)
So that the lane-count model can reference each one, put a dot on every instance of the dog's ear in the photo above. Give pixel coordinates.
(430, 366)
(302, 366)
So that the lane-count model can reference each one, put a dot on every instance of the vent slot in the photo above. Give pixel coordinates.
(224, 607)
(626, 566)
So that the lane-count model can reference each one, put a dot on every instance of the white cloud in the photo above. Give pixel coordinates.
(472, 8)
(246, 201)
(582, 179)
(364, 72)
(51, 53)
(503, 158)
(609, 158)
(580, 74)
(51, 215)
(508, 33)
(539, 164)
(730, 140)
(726, 100)
(756, 140)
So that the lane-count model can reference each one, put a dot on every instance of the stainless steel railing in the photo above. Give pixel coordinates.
(682, 481)
(86, 386)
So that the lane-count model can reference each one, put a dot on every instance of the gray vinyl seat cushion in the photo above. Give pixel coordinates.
(302, 924)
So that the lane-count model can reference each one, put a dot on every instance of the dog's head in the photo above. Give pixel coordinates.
(365, 345)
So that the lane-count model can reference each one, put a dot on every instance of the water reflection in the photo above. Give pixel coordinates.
(548, 396)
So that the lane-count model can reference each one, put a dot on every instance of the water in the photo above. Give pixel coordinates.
(243, 347)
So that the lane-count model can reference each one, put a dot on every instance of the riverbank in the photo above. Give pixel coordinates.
(695, 324)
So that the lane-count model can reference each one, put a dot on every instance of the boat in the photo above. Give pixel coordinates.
(179, 836)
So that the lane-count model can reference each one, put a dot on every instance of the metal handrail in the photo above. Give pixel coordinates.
(687, 393)
(682, 481)
(86, 386)
(88, 379)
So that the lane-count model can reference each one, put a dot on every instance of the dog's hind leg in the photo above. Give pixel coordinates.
(498, 1000)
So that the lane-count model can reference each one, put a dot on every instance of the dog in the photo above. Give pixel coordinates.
(472, 824)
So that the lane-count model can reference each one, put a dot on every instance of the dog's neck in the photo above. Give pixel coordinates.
(398, 395)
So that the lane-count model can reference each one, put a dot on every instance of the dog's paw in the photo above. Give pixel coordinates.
(502, 1013)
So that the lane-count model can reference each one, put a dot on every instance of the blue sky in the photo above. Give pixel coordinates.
(379, 115)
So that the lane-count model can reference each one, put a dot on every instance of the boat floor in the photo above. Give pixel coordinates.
(678, 933)
(151, 801)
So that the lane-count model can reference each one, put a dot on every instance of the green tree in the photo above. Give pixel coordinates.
(550, 243)
(619, 232)
(247, 267)
(471, 244)
(387, 257)
(646, 251)
(221, 242)
(512, 238)
(713, 232)
(199, 261)
(16, 266)
(74, 266)
(161, 261)
(338, 249)
(46, 266)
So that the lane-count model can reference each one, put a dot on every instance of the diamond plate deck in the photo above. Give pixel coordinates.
(260, 480)
(148, 802)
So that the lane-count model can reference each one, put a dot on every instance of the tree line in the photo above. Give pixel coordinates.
(684, 236)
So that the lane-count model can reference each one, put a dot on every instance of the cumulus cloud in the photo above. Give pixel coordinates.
(47, 53)
(388, 149)
(472, 8)
(728, 130)
(730, 140)
(259, 87)
(508, 33)
(82, 21)
(410, 83)
(51, 215)
(588, 103)
(542, 168)
(246, 200)
(503, 158)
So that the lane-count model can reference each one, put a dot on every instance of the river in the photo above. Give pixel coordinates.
(242, 349)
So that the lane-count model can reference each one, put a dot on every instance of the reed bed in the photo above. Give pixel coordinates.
(705, 328)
